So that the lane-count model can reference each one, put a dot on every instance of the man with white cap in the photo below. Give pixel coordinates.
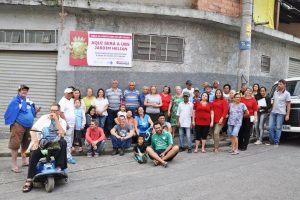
(67, 113)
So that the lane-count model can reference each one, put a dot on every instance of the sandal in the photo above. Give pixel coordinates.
(155, 163)
(25, 164)
(15, 170)
(165, 165)
(28, 186)
(195, 151)
(203, 151)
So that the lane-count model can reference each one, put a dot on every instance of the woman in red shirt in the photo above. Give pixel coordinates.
(248, 120)
(203, 117)
(166, 99)
(220, 108)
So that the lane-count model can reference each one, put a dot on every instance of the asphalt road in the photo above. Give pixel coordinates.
(262, 172)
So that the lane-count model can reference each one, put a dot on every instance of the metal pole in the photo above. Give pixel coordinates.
(245, 44)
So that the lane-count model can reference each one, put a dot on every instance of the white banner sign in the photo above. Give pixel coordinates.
(109, 49)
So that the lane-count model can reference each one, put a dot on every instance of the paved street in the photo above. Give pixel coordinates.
(262, 172)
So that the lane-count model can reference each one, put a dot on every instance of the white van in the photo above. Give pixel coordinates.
(293, 86)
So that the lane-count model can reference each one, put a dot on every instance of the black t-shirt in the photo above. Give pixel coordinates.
(142, 148)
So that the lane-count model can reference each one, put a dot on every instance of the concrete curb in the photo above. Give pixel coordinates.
(109, 150)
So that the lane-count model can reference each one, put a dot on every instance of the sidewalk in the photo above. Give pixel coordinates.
(5, 152)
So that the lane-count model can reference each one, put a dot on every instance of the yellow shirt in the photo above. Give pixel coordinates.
(88, 102)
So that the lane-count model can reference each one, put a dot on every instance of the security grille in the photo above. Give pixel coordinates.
(158, 48)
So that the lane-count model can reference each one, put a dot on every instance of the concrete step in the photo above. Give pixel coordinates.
(5, 152)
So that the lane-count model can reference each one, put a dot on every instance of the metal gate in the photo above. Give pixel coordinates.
(37, 70)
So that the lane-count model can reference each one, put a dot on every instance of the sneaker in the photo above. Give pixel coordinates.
(72, 161)
(276, 145)
(122, 152)
(189, 151)
(267, 143)
(96, 155)
(89, 155)
(181, 149)
(258, 142)
(115, 152)
(235, 153)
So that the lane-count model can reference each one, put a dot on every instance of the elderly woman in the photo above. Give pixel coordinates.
(153, 103)
(173, 106)
(88, 98)
(143, 122)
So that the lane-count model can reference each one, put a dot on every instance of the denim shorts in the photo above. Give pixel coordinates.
(233, 130)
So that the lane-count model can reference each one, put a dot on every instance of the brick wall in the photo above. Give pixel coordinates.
(226, 7)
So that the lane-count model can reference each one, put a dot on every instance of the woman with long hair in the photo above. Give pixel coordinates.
(101, 104)
(220, 108)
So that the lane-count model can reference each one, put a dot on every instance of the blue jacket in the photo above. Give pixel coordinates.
(14, 107)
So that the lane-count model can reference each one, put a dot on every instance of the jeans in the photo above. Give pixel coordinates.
(187, 131)
(275, 125)
(101, 121)
(112, 114)
(100, 147)
(69, 139)
(233, 130)
(261, 118)
(118, 143)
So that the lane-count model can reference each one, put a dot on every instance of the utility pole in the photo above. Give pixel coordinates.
(243, 70)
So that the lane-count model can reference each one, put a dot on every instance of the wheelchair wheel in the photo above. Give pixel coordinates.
(49, 184)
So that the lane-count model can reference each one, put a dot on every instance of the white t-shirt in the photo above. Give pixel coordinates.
(185, 113)
(100, 105)
(45, 121)
(67, 107)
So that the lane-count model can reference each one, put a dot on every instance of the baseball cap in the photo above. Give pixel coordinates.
(208, 86)
(188, 82)
(21, 87)
(196, 89)
(68, 90)
(186, 94)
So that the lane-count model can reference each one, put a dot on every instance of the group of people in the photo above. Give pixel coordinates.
(148, 118)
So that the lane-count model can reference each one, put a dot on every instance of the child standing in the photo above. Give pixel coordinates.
(139, 150)
(80, 121)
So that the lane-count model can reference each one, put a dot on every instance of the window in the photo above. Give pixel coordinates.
(28, 36)
(265, 63)
(37, 36)
(12, 36)
(158, 48)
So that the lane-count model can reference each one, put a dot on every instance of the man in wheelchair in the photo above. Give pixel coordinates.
(47, 140)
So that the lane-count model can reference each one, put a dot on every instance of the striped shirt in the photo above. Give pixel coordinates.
(131, 99)
(114, 98)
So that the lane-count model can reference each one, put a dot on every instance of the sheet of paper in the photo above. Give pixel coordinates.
(262, 102)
